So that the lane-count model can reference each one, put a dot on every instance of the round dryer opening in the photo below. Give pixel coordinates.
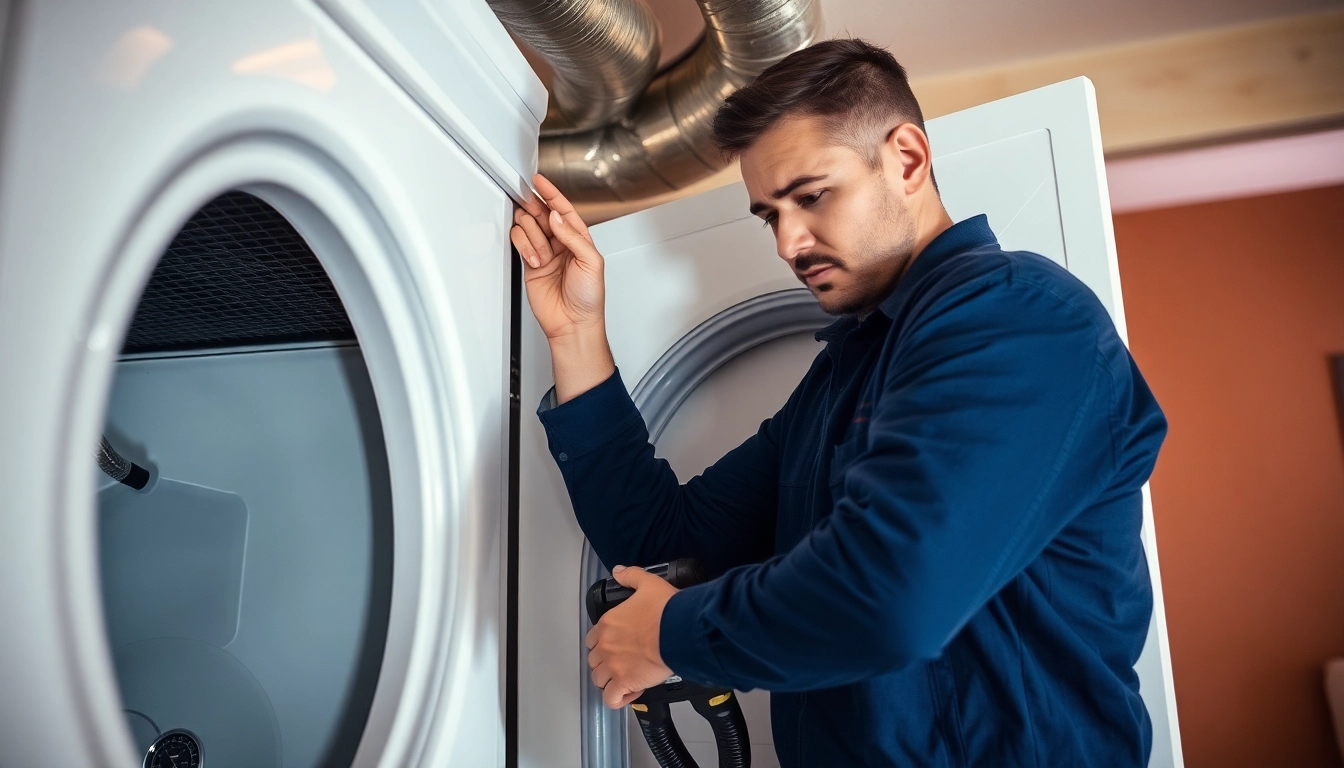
(245, 521)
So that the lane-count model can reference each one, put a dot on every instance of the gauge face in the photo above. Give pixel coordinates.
(175, 749)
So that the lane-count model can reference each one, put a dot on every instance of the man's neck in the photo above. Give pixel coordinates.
(927, 230)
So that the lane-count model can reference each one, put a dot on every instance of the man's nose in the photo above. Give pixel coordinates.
(792, 237)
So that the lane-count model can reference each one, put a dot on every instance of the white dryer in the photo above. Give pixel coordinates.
(712, 331)
(317, 195)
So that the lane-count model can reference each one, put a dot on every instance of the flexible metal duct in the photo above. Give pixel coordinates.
(603, 54)
(665, 143)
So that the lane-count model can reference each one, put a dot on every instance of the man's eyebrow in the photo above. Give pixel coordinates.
(757, 208)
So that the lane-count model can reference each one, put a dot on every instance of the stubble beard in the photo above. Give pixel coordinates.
(883, 262)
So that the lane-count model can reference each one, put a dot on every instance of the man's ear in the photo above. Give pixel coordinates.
(908, 146)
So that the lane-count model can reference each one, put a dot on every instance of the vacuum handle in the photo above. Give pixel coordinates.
(606, 594)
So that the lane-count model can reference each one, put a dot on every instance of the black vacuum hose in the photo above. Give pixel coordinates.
(664, 741)
(653, 708)
(120, 468)
(730, 728)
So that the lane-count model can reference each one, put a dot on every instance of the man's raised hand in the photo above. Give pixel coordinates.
(561, 267)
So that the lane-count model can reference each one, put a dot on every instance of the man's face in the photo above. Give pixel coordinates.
(842, 225)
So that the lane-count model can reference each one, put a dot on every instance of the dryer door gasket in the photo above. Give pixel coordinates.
(694, 358)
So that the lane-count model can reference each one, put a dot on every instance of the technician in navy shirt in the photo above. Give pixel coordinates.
(930, 555)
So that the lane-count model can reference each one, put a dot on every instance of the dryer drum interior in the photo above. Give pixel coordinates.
(246, 587)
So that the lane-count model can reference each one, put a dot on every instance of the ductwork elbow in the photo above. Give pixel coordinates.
(666, 143)
(603, 54)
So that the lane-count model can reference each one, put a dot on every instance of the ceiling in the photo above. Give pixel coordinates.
(1206, 88)
(936, 36)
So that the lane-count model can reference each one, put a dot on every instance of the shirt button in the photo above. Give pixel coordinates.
(563, 456)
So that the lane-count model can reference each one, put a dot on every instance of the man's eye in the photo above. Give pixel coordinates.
(769, 221)
(807, 201)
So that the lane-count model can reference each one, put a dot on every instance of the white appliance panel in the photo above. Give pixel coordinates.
(119, 121)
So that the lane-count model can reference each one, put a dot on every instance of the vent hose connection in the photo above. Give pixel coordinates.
(120, 468)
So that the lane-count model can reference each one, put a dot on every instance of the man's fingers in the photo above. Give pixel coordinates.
(560, 204)
(555, 200)
(536, 210)
(541, 244)
(601, 676)
(575, 241)
(590, 639)
(630, 577)
(613, 695)
(531, 260)
(629, 697)
(534, 206)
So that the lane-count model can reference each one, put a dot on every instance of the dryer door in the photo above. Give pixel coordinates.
(712, 332)
(314, 576)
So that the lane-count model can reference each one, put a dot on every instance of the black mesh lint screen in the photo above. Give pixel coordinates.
(237, 274)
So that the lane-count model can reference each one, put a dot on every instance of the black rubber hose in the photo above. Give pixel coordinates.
(729, 726)
(120, 468)
(664, 741)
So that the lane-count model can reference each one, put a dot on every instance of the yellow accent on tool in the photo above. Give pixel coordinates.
(640, 707)
(717, 700)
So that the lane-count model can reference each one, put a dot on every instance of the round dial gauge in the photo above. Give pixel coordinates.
(178, 748)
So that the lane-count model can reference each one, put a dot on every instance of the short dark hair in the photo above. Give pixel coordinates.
(855, 86)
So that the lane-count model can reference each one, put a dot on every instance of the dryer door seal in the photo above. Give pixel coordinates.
(685, 366)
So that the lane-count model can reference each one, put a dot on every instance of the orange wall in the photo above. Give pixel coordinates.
(1233, 308)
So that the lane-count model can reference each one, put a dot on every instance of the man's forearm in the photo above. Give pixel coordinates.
(580, 361)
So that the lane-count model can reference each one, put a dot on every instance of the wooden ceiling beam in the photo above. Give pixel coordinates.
(1271, 76)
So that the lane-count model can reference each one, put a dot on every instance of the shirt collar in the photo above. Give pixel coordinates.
(961, 237)
(838, 329)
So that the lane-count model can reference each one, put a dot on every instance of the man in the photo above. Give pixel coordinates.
(930, 555)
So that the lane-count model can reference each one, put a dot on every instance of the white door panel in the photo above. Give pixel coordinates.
(696, 273)
(1067, 112)
(1012, 181)
(1031, 162)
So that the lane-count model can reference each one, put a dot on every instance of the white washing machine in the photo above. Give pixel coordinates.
(713, 332)
(261, 248)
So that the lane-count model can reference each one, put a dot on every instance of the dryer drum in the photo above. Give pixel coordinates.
(685, 366)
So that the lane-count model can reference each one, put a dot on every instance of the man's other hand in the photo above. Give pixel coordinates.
(623, 647)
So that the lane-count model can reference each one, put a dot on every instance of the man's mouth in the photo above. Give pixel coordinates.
(816, 274)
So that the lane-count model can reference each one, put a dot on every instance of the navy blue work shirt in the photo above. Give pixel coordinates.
(930, 555)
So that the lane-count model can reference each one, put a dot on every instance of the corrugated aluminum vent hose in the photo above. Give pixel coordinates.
(614, 134)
